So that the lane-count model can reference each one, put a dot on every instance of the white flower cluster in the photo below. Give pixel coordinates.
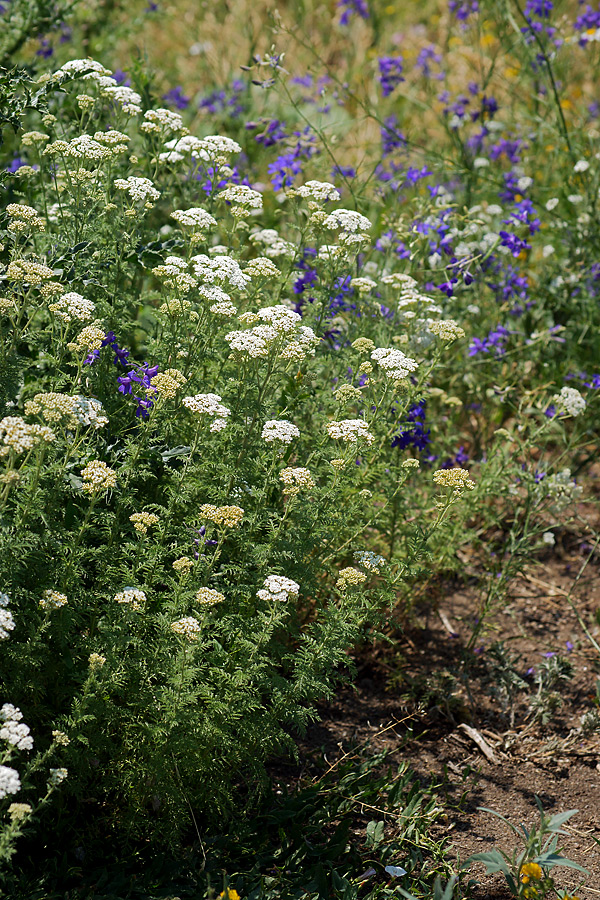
(320, 191)
(276, 587)
(10, 783)
(97, 476)
(93, 71)
(28, 272)
(88, 411)
(261, 267)
(53, 600)
(282, 333)
(242, 198)
(351, 225)
(7, 623)
(370, 561)
(83, 147)
(131, 597)
(57, 776)
(208, 597)
(141, 190)
(208, 405)
(71, 306)
(221, 270)
(196, 218)
(296, 480)
(188, 627)
(13, 729)
(570, 400)
(279, 430)
(562, 489)
(350, 431)
(447, 330)
(394, 363)
(18, 436)
(273, 244)
(158, 120)
(128, 99)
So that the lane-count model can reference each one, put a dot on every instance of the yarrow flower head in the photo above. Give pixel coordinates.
(98, 477)
(18, 437)
(140, 190)
(279, 430)
(208, 405)
(394, 363)
(208, 596)
(72, 306)
(53, 600)
(183, 565)
(7, 623)
(276, 587)
(457, 479)
(195, 218)
(350, 577)
(228, 516)
(296, 480)
(370, 561)
(570, 401)
(188, 627)
(10, 783)
(142, 521)
(350, 431)
(447, 330)
(131, 597)
(13, 730)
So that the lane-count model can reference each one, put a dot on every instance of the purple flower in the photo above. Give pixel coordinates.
(390, 73)
(514, 243)
(176, 98)
(391, 138)
(352, 8)
(462, 10)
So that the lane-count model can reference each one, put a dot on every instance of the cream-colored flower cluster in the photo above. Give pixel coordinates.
(157, 121)
(131, 597)
(18, 436)
(243, 200)
(569, 401)
(208, 596)
(220, 269)
(347, 393)
(364, 286)
(279, 430)
(140, 190)
(53, 600)
(183, 565)
(274, 245)
(363, 345)
(373, 562)
(261, 267)
(457, 479)
(96, 661)
(29, 272)
(278, 588)
(89, 338)
(167, 383)
(98, 477)
(24, 218)
(447, 330)
(195, 217)
(72, 306)
(350, 577)
(142, 521)
(228, 516)
(296, 480)
(319, 191)
(352, 226)
(208, 405)
(173, 273)
(188, 627)
(62, 409)
(281, 333)
(394, 363)
(350, 431)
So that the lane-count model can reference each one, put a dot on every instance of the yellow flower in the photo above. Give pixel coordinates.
(530, 870)
(229, 894)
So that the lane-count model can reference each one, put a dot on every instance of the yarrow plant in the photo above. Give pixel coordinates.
(254, 371)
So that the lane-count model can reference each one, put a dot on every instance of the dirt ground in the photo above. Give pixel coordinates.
(465, 738)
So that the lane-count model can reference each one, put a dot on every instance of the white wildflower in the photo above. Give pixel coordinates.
(278, 588)
(279, 430)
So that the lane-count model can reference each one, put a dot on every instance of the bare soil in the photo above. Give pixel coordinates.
(431, 701)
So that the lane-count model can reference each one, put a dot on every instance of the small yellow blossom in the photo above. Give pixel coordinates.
(229, 516)
(142, 521)
(97, 477)
(19, 811)
(530, 870)
(350, 577)
(457, 479)
(183, 564)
